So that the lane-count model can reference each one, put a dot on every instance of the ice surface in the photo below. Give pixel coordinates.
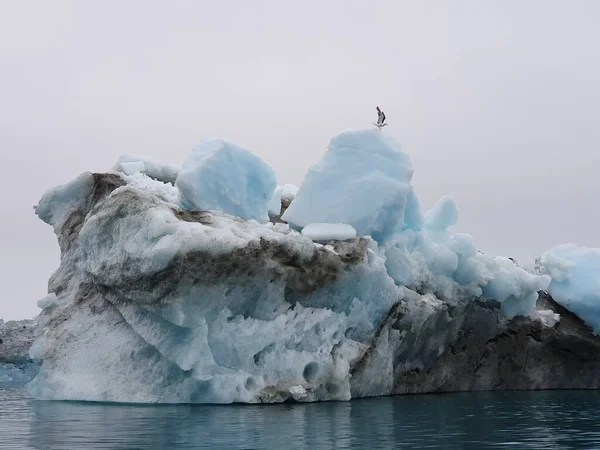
(329, 231)
(363, 180)
(575, 273)
(198, 307)
(221, 176)
(130, 164)
(449, 266)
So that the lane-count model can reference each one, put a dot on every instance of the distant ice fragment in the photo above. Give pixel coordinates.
(329, 231)
(221, 176)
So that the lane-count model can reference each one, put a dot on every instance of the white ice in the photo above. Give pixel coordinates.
(282, 195)
(130, 164)
(275, 203)
(329, 231)
(222, 176)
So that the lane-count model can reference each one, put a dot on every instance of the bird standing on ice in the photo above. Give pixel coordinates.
(380, 119)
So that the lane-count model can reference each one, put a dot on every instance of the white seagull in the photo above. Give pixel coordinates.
(380, 119)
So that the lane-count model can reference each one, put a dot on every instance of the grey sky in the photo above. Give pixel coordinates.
(498, 104)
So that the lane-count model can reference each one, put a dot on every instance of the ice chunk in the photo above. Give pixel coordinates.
(434, 260)
(298, 392)
(130, 164)
(516, 288)
(282, 197)
(163, 190)
(548, 317)
(363, 179)
(443, 215)
(575, 273)
(288, 193)
(329, 231)
(58, 203)
(275, 204)
(221, 176)
(48, 301)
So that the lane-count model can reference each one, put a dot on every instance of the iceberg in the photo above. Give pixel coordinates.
(185, 292)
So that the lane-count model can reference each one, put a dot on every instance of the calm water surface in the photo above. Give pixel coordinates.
(511, 420)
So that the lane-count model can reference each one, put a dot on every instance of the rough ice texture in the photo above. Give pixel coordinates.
(575, 273)
(329, 231)
(363, 180)
(155, 301)
(130, 164)
(221, 176)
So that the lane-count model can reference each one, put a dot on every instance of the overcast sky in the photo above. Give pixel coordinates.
(498, 104)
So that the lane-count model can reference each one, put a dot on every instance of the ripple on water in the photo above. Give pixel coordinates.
(540, 420)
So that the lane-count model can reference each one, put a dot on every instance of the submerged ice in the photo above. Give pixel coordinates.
(174, 286)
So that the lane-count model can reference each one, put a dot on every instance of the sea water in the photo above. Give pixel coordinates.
(509, 420)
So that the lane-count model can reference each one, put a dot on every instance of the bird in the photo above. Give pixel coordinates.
(380, 119)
